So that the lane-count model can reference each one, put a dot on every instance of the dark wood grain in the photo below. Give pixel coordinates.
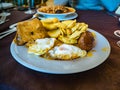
(106, 76)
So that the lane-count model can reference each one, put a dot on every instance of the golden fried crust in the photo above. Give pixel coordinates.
(28, 31)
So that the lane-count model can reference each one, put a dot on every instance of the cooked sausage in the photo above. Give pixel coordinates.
(86, 41)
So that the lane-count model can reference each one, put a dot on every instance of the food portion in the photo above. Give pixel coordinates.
(66, 52)
(41, 46)
(54, 39)
(56, 9)
(66, 31)
(50, 23)
(86, 41)
(28, 31)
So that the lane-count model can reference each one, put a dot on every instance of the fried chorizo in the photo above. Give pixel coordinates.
(86, 41)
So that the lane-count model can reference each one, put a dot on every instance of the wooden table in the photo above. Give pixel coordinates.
(106, 76)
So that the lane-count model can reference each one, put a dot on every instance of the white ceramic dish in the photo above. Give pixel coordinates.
(59, 16)
(34, 62)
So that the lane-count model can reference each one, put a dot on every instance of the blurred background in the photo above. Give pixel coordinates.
(23, 4)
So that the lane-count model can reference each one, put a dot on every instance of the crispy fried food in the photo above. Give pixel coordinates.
(76, 34)
(86, 41)
(28, 31)
(69, 23)
(50, 20)
(54, 33)
(50, 23)
(67, 40)
(72, 38)
(67, 31)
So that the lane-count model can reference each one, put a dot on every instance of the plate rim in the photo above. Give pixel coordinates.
(75, 15)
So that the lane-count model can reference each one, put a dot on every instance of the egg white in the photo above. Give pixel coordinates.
(41, 46)
(66, 52)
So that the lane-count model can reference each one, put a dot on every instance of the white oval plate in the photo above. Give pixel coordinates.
(34, 62)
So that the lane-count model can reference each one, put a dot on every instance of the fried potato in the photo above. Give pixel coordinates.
(67, 40)
(68, 32)
(69, 23)
(52, 26)
(75, 34)
(50, 20)
(61, 25)
(84, 28)
(54, 33)
(77, 25)
(50, 23)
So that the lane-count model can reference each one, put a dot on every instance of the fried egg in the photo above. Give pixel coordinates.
(41, 46)
(66, 52)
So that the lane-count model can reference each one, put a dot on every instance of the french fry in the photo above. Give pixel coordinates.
(77, 25)
(75, 34)
(67, 40)
(72, 24)
(68, 32)
(82, 25)
(84, 28)
(61, 32)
